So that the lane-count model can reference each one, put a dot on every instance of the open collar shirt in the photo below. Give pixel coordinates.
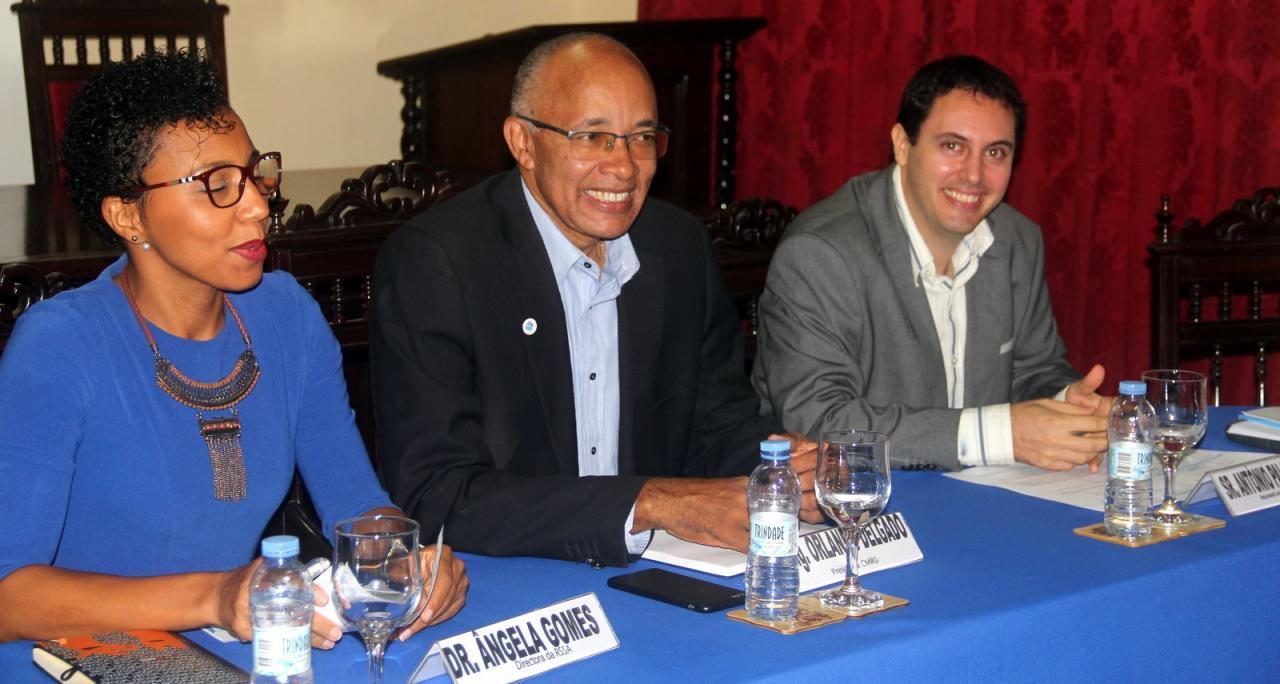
(985, 434)
(589, 295)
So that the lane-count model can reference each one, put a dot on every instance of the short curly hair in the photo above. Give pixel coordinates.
(114, 120)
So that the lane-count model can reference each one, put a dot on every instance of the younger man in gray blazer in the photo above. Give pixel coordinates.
(913, 300)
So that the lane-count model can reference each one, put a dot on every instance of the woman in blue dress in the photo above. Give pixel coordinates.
(151, 420)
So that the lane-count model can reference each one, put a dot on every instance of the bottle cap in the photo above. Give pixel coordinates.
(280, 546)
(1133, 387)
(775, 449)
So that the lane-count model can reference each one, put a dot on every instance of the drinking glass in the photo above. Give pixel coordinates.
(1179, 398)
(852, 486)
(377, 579)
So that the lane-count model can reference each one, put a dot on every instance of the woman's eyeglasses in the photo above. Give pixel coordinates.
(225, 184)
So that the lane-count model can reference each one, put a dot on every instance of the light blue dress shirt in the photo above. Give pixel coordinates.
(589, 295)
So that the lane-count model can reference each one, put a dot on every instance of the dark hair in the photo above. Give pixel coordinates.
(960, 72)
(113, 122)
(522, 89)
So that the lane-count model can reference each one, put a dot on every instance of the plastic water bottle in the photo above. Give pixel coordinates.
(1129, 433)
(773, 500)
(281, 603)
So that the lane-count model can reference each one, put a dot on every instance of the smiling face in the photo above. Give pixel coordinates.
(195, 246)
(587, 86)
(957, 171)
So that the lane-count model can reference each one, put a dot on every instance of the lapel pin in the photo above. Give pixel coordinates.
(529, 326)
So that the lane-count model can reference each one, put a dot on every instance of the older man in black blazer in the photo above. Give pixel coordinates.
(557, 367)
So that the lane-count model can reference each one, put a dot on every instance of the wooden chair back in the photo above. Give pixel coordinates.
(65, 41)
(22, 285)
(331, 251)
(1217, 297)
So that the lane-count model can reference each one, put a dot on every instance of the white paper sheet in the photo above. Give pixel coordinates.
(1267, 415)
(672, 550)
(1081, 488)
(665, 548)
(1251, 429)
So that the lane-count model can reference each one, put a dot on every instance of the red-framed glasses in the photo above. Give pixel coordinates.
(225, 184)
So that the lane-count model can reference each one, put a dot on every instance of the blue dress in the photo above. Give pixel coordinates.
(102, 471)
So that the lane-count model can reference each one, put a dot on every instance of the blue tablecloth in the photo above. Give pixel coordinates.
(1006, 592)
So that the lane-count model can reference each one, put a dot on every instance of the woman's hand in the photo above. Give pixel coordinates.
(231, 601)
(449, 593)
(233, 612)
(324, 633)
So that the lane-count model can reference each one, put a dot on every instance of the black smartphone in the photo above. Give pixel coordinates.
(680, 590)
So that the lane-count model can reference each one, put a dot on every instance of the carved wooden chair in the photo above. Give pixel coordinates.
(745, 234)
(65, 41)
(331, 251)
(22, 285)
(1217, 296)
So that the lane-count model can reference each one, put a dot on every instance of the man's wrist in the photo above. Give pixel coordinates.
(646, 513)
(985, 436)
(637, 542)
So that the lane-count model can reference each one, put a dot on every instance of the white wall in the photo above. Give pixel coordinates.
(15, 136)
(303, 72)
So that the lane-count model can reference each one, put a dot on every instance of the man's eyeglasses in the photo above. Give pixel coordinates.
(596, 145)
(225, 184)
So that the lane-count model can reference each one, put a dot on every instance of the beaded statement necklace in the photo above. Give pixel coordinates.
(221, 433)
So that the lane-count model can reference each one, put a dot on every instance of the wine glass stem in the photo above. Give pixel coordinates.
(377, 647)
(852, 584)
(1169, 472)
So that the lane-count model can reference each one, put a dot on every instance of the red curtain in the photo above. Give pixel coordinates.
(1127, 100)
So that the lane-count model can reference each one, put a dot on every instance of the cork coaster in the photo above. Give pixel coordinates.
(1159, 533)
(812, 614)
(890, 602)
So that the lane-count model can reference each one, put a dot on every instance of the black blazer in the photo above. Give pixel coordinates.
(475, 418)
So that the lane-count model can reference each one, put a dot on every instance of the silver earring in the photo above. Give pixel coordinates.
(146, 246)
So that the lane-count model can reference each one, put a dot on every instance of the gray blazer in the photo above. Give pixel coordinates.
(847, 340)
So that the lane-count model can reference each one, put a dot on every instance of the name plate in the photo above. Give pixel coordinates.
(1244, 488)
(885, 542)
(522, 646)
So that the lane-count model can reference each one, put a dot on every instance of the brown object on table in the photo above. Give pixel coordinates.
(135, 656)
(456, 98)
(1198, 524)
(99, 31)
(1235, 256)
(812, 614)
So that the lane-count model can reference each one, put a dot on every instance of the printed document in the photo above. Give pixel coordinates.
(1079, 487)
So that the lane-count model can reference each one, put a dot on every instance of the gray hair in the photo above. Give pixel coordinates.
(530, 71)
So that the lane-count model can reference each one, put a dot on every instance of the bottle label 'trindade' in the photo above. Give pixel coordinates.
(282, 651)
(1129, 461)
(774, 534)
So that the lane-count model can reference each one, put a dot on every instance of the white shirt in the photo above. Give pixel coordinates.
(985, 434)
(589, 295)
